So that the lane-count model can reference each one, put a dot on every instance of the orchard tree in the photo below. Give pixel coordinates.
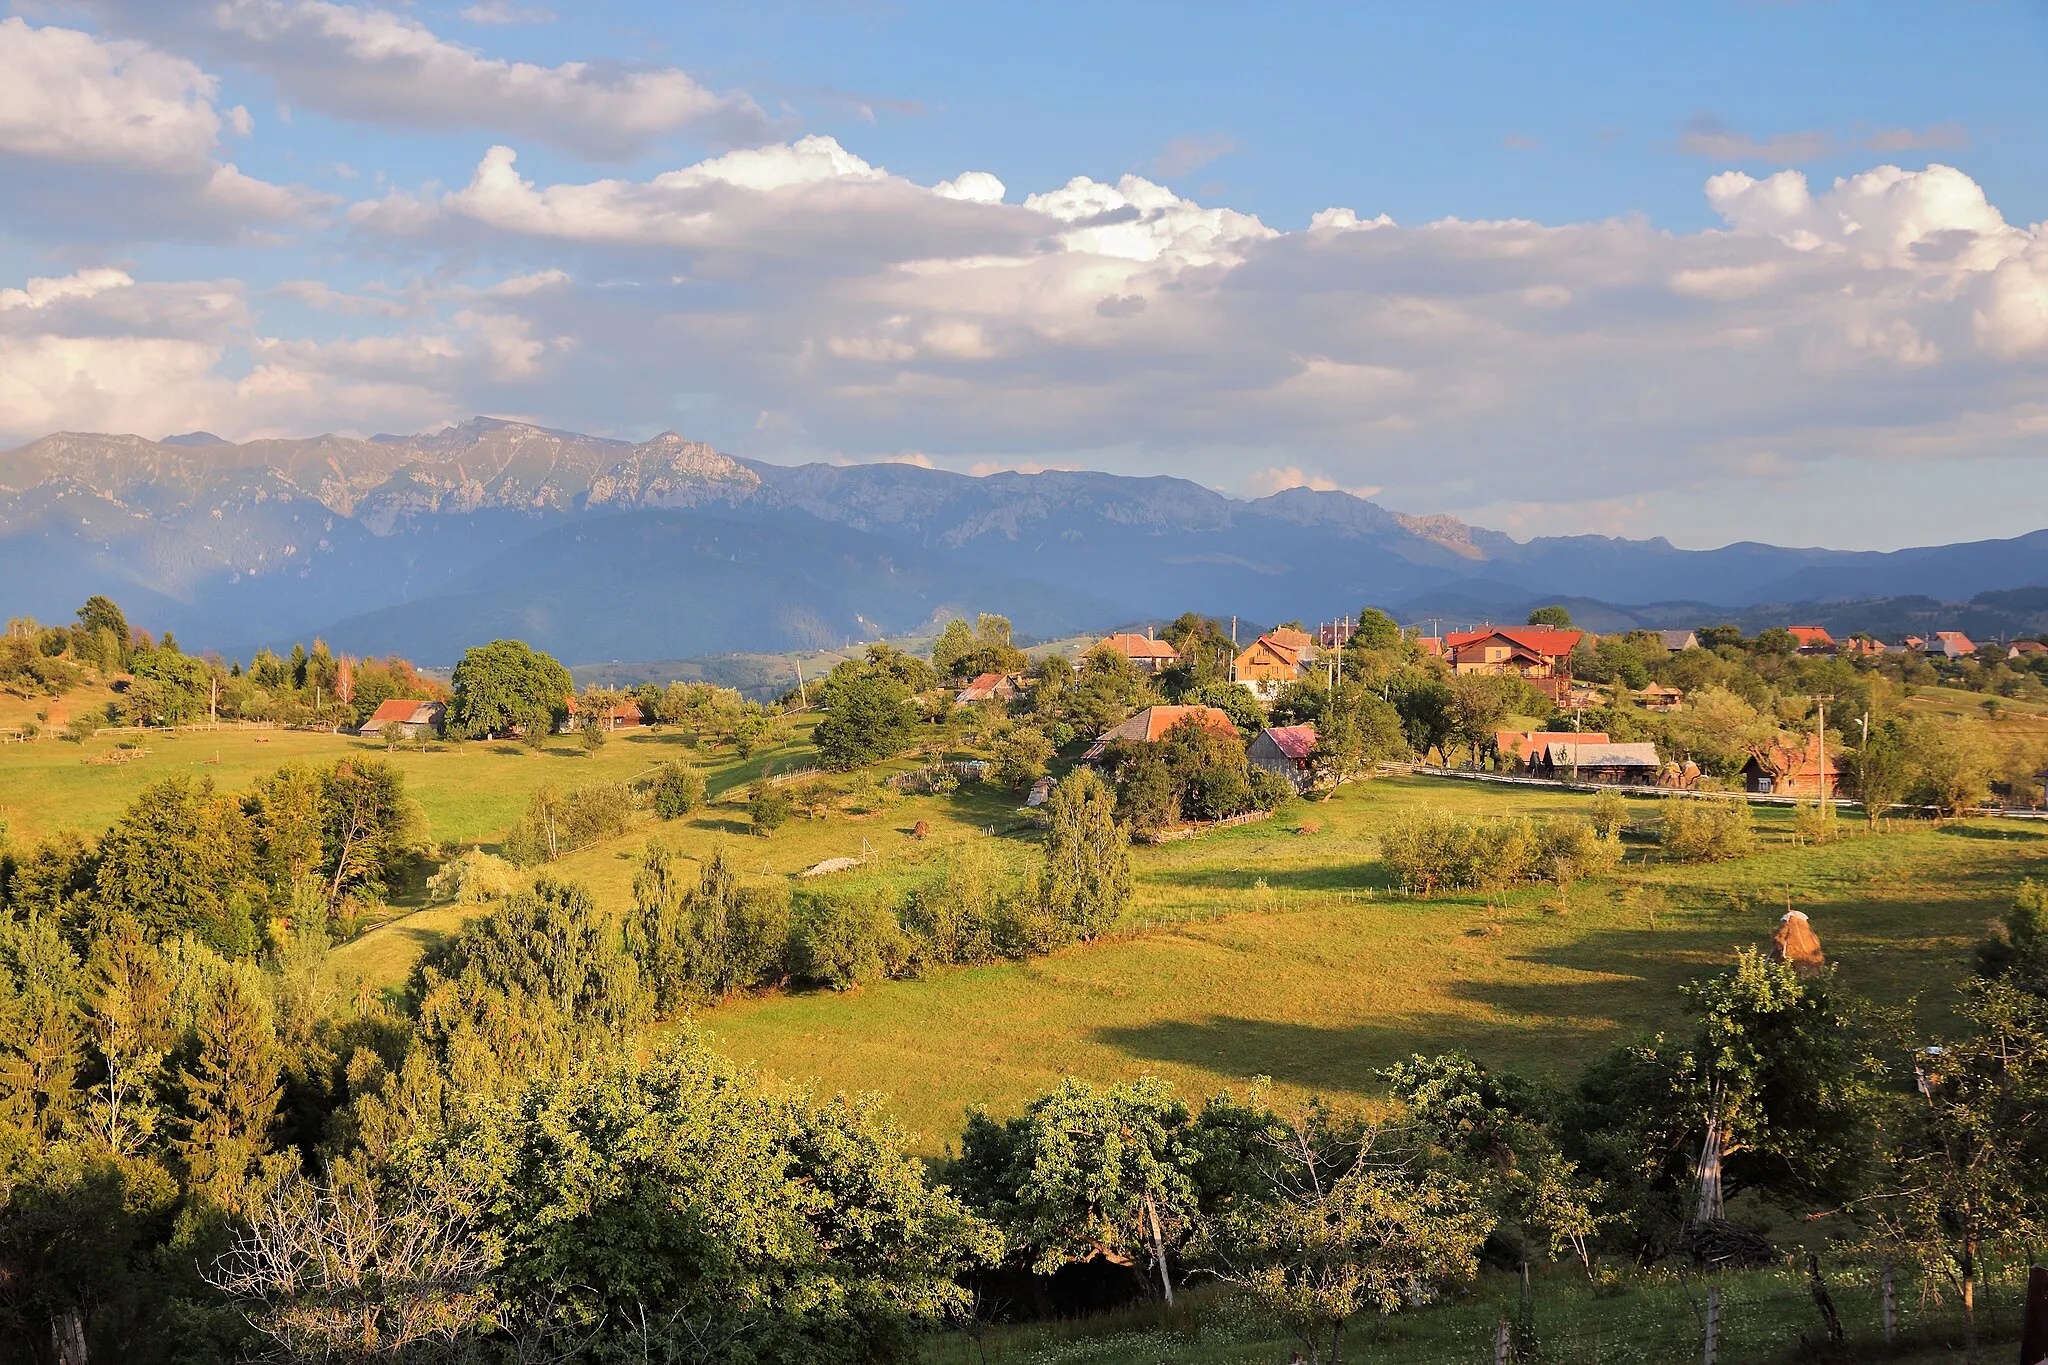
(505, 686)
(868, 717)
(1555, 617)
(1881, 769)
(1355, 1225)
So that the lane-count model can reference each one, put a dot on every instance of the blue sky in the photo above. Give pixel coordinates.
(1621, 289)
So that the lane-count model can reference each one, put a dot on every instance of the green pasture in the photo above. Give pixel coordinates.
(1287, 955)
(1277, 949)
(469, 792)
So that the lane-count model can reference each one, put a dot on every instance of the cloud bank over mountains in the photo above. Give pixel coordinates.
(789, 299)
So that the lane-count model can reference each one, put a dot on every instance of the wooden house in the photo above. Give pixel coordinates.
(1618, 764)
(1791, 767)
(1150, 725)
(1285, 750)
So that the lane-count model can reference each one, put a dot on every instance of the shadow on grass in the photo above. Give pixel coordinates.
(1328, 877)
(1996, 833)
(1341, 1060)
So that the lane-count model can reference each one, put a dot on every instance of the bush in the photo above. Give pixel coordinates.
(843, 939)
(557, 823)
(768, 807)
(678, 790)
(1701, 831)
(1269, 789)
(473, 878)
(970, 911)
(1573, 848)
(1609, 815)
(81, 729)
(1815, 824)
(1433, 850)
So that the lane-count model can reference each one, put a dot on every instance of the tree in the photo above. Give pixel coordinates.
(1087, 855)
(505, 686)
(1966, 1165)
(867, 719)
(1355, 1227)
(1479, 704)
(1376, 630)
(1772, 1080)
(231, 1091)
(368, 824)
(182, 858)
(353, 1268)
(955, 643)
(678, 790)
(1085, 1174)
(1426, 707)
(1234, 701)
(1558, 618)
(1019, 758)
(767, 806)
(1496, 1128)
(100, 622)
(1881, 769)
(676, 1210)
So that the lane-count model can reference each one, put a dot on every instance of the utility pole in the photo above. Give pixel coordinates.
(1820, 741)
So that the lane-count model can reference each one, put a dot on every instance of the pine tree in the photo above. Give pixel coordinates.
(231, 1095)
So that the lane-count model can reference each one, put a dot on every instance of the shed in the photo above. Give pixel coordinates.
(412, 712)
(1285, 750)
(1634, 764)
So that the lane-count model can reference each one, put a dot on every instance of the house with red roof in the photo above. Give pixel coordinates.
(1151, 725)
(1524, 651)
(1147, 654)
(411, 715)
(990, 687)
(1792, 767)
(1951, 644)
(1812, 639)
(1285, 750)
(1526, 746)
(1271, 662)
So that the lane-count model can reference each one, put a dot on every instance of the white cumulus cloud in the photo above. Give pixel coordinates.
(377, 65)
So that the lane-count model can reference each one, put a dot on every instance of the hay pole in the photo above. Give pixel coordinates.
(1713, 1324)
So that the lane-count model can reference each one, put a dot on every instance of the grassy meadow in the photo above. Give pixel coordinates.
(1277, 949)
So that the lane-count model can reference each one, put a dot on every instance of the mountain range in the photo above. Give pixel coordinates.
(599, 549)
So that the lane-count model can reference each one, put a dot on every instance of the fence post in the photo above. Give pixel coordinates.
(1503, 1352)
(1890, 1306)
(1713, 1324)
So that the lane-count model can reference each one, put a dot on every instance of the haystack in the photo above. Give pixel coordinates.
(1796, 943)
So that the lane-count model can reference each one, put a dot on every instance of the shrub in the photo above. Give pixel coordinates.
(1431, 850)
(1019, 759)
(1609, 815)
(1815, 824)
(845, 938)
(768, 807)
(473, 878)
(1572, 849)
(964, 914)
(1269, 789)
(678, 790)
(81, 729)
(1700, 831)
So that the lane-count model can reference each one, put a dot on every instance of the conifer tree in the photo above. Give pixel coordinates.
(1087, 855)
(232, 1091)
